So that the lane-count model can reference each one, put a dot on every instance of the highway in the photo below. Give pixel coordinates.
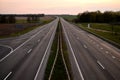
(27, 60)
(90, 57)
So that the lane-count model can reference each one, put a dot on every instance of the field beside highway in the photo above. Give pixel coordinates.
(21, 26)
(104, 30)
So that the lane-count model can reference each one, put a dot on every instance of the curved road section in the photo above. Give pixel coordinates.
(4, 50)
(28, 60)
(91, 58)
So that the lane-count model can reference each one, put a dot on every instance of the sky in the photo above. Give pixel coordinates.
(57, 6)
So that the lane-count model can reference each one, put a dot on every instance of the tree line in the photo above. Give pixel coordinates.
(98, 17)
(11, 18)
(33, 18)
(7, 19)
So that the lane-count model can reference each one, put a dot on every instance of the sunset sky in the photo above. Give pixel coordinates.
(56, 6)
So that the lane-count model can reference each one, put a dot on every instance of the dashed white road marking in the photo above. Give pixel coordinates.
(49, 44)
(85, 46)
(101, 48)
(29, 51)
(22, 44)
(80, 72)
(100, 64)
(106, 52)
(39, 40)
(113, 57)
(7, 76)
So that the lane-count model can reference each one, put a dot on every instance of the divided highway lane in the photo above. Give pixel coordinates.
(91, 58)
(14, 42)
(29, 59)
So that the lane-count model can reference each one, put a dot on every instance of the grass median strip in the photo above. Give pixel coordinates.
(55, 61)
(52, 56)
(66, 55)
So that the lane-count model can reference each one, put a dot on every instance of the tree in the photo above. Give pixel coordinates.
(29, 19)
(97, 16)
(3, 19)
(11, 19)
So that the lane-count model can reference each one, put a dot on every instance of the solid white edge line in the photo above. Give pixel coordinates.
(22, 44)
(7, 76)
(29, 51)
(54, 62)
(35, 78)
(73, 54)
(64, 61)
(7, 46)
(100, 64)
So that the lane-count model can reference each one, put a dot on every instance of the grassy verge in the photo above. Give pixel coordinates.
(59, 72)
(107, 35)
(104, 26)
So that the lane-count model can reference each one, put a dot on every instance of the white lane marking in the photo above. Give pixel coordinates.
(85, 46)
(106, 52)
(52, 37)
(100, 64)
(64, 60)
(39, 40)
(113, 57)
(7, 47)
(80, 72)
(54, 61)
(7, 76)
(29, 51)
(21, 45)
(101, 48)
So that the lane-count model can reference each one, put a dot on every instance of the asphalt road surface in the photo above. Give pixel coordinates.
(4, 50)
(28, 60)
(91, 58)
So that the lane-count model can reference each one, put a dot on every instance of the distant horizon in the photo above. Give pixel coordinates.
(55, 7)
(58, 14)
